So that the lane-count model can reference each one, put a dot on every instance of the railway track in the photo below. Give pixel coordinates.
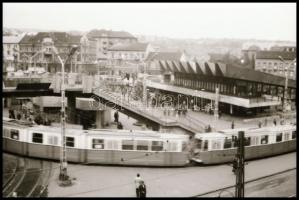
(28, 181)
(16, 179)
(216, 193)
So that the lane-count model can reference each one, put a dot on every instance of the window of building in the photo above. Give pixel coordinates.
(278, 137)
(70, 141)
(37, 138)
(53, 140)
(227, 143)
(128, 144)
(157, 145)
(98, 144)
(294, 135)
(264, 139)
(14, 134)
(142, 145)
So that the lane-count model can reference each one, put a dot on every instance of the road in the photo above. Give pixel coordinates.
(118, 181)
(279, 185)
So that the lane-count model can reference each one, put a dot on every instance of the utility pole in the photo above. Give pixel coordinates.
(239, 165)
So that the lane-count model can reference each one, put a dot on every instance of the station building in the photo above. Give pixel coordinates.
(241, 90)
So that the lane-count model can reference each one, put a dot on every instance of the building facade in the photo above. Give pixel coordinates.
(10, 50)
(269, 62)
(36, 51)
(105, 39)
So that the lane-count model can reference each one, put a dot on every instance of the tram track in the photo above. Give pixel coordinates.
(246, 182)
(16, 180)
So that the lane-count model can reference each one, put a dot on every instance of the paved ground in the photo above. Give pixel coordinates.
(114, 181)
(280, 185)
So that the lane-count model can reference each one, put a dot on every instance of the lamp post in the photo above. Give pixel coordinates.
(286, 82)
(63, 161)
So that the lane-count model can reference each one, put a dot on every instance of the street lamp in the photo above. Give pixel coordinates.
(63, 161)
(286, 82)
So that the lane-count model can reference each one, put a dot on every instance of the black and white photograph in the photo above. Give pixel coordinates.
(149, 99)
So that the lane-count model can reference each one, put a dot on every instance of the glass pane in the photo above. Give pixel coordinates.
(227, 143)
(128, 145)
(70, 141)
(157, 145)
(142, 145)
(14, 134)
(279, 137)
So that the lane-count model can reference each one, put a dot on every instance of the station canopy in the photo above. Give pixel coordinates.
(223, 70)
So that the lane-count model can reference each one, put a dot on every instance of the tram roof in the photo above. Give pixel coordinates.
(223, 70)
(112, 133)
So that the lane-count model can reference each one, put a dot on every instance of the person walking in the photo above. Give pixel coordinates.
(137, 184)
(233, 124)
(260, 124)
(274, 121)
(142, 189)
(116, 116)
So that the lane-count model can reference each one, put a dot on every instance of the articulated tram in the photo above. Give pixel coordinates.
(219, 147)
(116, 147)
(144, 148)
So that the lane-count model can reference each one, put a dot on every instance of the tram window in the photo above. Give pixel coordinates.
(128, 145)
(206, 145)
(157, 145)
(142, 145)
(37, 138)
(255, 140)
(216, 144)
(53, 140)
(286, 136)
(247, 141)
(6, 133)
(227, 143)
(279, 137)
(97, 143)
(294, 135)
(199, 144)
(70, 141)
(264, 139)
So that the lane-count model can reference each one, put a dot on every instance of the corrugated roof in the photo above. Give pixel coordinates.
(130, 47)
(58, 37)
(110, 34)
(274, 55)
(229, 71)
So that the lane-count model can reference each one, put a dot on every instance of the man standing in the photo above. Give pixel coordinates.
(142, 190)
(137, 184)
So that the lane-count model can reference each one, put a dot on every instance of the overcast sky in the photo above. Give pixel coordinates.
(273, 21)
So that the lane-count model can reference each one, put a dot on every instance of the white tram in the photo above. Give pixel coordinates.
(117, 147)
(218, 147)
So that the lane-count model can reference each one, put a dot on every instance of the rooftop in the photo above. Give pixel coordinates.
(275, 55)
(223, 70)
(171, 56)
(95, 33)
(130, 47)
(58, 37)
(12, 39)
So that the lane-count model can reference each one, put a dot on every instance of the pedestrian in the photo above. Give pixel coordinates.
(19, 116)
(137, 184)
(260, 124)
(274, 121)
(119, 125)
(142, 189)
(233, 124)
(116, 116)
